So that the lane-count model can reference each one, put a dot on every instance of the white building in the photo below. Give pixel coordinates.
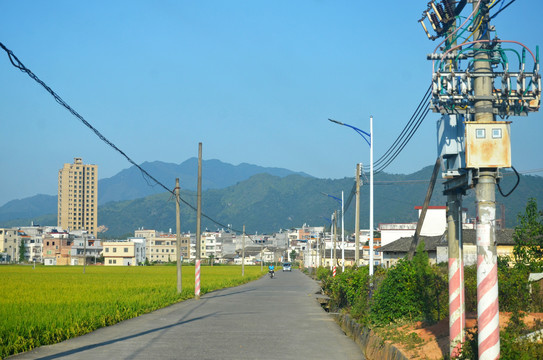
(130, 252)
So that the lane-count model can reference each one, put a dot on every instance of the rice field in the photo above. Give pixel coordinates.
(47, 305)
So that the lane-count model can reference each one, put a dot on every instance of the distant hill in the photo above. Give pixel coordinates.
(29, 207)
(267, 203)
(130, 184)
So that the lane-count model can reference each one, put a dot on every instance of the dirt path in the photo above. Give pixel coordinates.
(435, 338)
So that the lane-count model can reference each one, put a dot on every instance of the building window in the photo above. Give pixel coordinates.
(107, 249)
(114, 249)
(125, 250)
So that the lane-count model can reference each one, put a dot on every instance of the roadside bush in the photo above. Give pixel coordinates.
(412, 290)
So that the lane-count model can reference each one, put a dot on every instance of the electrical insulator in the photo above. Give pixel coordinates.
(437, 12)
(435, 89)
(435, 21)
(463, 85)
(449, 9)
(521, 85)
(455, 80)
(505, 85)
(440, 11)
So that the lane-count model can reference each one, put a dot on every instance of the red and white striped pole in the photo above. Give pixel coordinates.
(488, 319)
(457, 317)
(334, 271)
(197, 279)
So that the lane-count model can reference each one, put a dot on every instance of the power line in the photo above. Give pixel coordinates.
(405, 135)
(19, 65)
(405, 129)
(404, 143)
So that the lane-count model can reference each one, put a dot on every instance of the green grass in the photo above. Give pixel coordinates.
(47, 305)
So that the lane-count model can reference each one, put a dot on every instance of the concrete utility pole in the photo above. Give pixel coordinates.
(335, 235)
(371, 197)
(485, 189)
(198, 225)
(178, 238)
(84, 252)
(342, 234)
(475, 145)
(457, 315)
(243, 253)
(357, 217)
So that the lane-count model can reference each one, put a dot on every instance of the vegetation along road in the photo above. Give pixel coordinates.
(265, 319)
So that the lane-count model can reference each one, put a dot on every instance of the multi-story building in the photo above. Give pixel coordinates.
(57, 247)
(9, 245)
(213, 245)
(34, 241)
(78, 197)
(162, 247)
(130, 252)
(86, 249)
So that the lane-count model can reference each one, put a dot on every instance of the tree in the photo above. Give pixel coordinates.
(528, 236)
(293, 255)
(22, 251)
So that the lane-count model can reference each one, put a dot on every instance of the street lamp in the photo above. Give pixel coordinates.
(369, 139)
(342, 228)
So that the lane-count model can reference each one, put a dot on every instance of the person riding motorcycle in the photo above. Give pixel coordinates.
(271, 270)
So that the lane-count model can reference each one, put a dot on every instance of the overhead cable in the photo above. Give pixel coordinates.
(19, 65)
(404, 136)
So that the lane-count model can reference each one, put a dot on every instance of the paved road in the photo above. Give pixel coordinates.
(266, 319)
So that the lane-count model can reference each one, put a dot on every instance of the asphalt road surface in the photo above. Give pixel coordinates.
(266, 319)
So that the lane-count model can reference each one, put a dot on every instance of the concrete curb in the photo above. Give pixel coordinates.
(371, 345)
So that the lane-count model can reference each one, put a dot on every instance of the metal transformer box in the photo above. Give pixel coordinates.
(450, 144)
(488, 144)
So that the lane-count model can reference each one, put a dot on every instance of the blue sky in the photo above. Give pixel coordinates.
(254, 81)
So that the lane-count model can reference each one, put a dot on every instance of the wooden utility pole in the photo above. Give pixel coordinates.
(357, 218)
(178, 238)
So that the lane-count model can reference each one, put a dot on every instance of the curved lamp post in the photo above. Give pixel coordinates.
(369, 140)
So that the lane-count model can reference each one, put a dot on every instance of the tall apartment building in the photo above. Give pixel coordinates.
(78, 197)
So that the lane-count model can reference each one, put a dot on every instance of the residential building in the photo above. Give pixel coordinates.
(213, 245)
(504, 245)
(57, 248)
(163, 247)
(78, 197)
(86, 249)
(9, 245)
(437, 247)
(399, 249)
(130, 252)
(34, 241)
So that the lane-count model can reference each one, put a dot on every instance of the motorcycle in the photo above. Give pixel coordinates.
(272, 274)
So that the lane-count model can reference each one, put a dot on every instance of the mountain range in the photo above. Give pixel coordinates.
(263, 199)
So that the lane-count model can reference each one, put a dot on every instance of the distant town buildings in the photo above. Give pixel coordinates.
(78, 197)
